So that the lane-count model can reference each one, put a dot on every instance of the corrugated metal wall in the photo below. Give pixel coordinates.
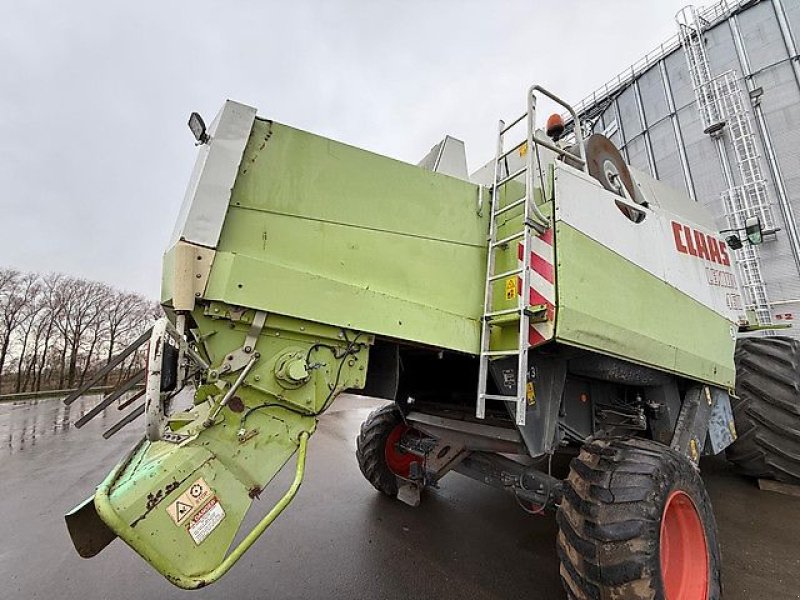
(654, 120)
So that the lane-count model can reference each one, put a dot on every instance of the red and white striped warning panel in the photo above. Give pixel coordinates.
(542, 277)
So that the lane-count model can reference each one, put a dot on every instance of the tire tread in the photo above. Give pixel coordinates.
(767, 410)
(370, 448)
(609, 519)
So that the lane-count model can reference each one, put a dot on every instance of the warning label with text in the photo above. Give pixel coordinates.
(206, 520)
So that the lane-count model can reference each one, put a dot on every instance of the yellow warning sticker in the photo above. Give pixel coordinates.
(531, 393)
(180, 510)
(188, 501)
(693, 450)
(511, 288)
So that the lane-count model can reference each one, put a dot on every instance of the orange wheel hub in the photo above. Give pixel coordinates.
(684, 550)
(399, 462)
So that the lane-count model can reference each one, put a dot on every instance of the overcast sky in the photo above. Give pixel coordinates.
(94, 96)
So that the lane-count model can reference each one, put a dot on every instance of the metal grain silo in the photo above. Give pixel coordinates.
(716, 110)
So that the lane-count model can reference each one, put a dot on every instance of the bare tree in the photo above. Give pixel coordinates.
(82, 304)
(29, 366)
(8, 289)
(56, 330)
(53, 309)
(123, 315)
(28, 316)
(15, 294)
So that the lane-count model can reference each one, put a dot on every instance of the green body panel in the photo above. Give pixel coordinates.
(225, 330)
(327, 232)
(505, 332)
(238, 453)
(609, 305)
(167, 277)
(158, 473)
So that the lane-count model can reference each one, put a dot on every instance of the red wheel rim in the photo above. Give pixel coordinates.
(684, 550)
(398, 461)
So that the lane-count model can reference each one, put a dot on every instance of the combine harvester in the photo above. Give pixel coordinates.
(301, 267)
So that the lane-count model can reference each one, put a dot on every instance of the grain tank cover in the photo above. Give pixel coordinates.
(307, 227)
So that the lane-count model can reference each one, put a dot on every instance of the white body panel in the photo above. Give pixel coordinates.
(206, 201)
(449, 157)
(664, 244)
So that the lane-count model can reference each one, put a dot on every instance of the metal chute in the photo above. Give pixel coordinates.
(255, 387)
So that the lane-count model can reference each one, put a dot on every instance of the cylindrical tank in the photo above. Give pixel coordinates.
(651, 113)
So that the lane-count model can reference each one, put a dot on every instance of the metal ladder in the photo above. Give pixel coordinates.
(489, 313)
(532, 222)
(721, 103)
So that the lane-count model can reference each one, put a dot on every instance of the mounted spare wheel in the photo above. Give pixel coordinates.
(605, 163)
(767, 408)
(636, 522)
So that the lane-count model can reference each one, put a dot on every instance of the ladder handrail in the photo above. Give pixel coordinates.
(530, 203)
(577, 129)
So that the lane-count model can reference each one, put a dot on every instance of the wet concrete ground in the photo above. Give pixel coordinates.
(340, 538)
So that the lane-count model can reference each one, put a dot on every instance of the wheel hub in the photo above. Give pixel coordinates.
(684, 550)
(399, 461)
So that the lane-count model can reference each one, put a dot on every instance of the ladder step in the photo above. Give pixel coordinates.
(500, 397)
(500, 353)
(508, 178)
(512, 150)
(514, 122)
(497, 313)
(507, 239)
(537, 312)
(503, 319)
(505, 274)
(509, 207)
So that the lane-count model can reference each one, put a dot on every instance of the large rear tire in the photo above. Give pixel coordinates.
(379, 457)
(767, 410)
(636, 522)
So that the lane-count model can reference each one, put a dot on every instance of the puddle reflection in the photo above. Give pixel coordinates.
(26, 423)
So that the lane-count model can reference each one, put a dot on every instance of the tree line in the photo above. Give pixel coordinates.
(57, 330)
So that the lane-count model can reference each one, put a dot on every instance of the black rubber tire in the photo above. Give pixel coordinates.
(610, 519)
(767, 410)
(371, 445)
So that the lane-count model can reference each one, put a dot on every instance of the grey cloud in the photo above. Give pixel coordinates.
(94, 150)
